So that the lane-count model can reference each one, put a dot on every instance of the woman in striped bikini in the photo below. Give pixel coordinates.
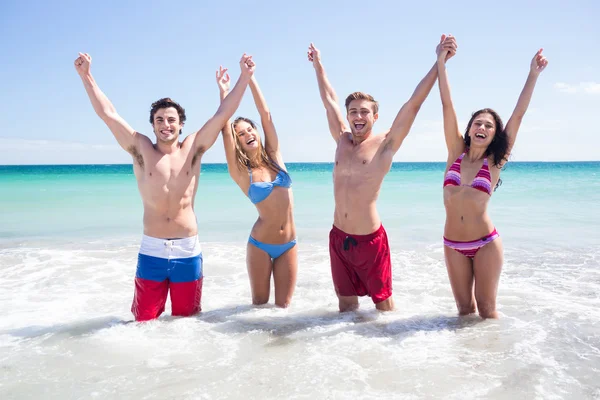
(472, 246)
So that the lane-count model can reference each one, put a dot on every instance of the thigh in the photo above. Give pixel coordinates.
(260, 267)
(378, 275)
(186, 297)
(285, 269)
(149, 299)
(488, 266)
(346, 281)
(460, 273)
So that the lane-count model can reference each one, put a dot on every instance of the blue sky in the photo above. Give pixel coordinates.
(145, 50)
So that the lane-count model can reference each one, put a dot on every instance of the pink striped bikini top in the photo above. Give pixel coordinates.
(482, 181)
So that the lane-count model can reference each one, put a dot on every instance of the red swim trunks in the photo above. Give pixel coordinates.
(361, 264)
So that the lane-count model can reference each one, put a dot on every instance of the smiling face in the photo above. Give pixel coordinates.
(166, 125)
(361, 117)
(247, 136)
(362, 112)
(482, 130)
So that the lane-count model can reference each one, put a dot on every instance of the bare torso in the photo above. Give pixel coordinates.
(466, 208)
(357, 177)
(275, 223)
(167, 185)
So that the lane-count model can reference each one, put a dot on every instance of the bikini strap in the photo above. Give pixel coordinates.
(249, 173)
(277, 165)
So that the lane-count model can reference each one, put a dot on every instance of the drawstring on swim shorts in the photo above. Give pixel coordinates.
(348, 241)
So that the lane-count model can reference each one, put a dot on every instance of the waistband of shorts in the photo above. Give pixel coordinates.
(177, 248)
(183, 242)
(358, 238)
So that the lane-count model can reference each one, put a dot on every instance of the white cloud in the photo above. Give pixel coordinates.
(582, 87)
(592, 87)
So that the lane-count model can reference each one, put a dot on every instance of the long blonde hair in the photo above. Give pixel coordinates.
(243, 161)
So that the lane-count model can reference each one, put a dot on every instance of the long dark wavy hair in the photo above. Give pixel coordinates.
(243, 161)
(498, 149)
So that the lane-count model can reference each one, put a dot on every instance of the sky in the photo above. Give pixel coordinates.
(145, 50)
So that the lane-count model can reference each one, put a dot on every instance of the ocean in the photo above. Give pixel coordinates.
(69, 237)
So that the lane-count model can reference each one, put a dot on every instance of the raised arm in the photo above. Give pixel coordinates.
(407, 114)
(227, 133)
(124, 133)
(207, 135)
(538, 64)
(454, 140)
(328, 96)
(271, 140)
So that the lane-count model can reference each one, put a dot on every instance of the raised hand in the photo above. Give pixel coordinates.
(446, 49)
(247, 65)
(83, 63)
(223, 79)
(314, 55)
(539, 62)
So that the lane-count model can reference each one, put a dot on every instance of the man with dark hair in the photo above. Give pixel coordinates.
(358, 244)
(167, 173)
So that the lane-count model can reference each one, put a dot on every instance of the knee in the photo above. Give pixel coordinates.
(386, 305)
(466, 309)
(487, 310)
(283, 304)
(348, 306)
(259, 301)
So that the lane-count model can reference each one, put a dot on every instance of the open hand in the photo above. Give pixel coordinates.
(223, 79)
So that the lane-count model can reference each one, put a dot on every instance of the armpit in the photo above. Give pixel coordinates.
(137, 156)
(198, 154)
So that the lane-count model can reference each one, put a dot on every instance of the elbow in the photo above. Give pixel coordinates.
(106, 115)
(412, 106)
(446, 105)
(265, 114)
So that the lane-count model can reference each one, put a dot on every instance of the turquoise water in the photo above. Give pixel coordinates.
(69, 237)
(535, 200)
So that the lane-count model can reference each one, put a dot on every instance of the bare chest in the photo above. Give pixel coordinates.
(358, 163)
(168, 173)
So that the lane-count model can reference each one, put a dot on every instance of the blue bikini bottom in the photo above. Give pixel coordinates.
(273, 250)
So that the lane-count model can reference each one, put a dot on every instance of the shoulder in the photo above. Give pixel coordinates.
(344, 139)
(141, 143)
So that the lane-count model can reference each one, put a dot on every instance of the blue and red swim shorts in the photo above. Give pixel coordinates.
(168, 265)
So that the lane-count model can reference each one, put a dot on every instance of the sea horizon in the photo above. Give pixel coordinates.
(308, 162)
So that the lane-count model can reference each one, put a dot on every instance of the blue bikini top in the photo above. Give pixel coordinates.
(259, 191)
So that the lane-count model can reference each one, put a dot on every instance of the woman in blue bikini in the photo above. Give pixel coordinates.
(261, 174)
